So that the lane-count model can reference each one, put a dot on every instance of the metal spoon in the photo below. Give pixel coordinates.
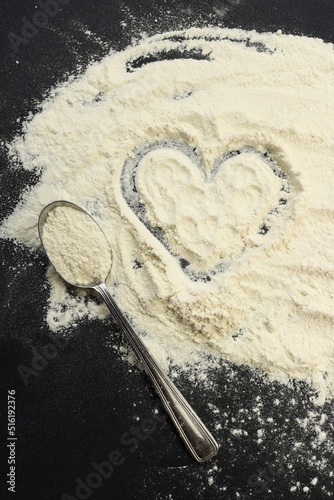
(198, 440)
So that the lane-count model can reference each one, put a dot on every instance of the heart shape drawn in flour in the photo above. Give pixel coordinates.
(206, 221)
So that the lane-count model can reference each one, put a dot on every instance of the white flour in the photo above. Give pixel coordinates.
(76, 246)
(213, 180)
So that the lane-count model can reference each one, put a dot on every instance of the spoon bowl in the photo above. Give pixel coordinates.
(53, 255)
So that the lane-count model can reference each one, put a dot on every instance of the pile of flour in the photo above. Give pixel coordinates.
(207, 158)
(76, 246)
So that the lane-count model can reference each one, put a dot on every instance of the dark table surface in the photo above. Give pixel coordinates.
(85, 403)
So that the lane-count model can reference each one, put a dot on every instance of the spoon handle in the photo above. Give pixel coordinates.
(200, 443)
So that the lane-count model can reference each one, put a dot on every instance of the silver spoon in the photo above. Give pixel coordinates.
(198, 440)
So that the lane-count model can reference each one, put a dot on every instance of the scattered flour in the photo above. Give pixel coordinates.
(208, 157)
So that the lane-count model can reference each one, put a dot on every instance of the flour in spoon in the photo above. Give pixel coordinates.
(76, 246)
(208, 157)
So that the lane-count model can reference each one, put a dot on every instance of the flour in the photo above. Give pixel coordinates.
(76, 246)
(211, 172)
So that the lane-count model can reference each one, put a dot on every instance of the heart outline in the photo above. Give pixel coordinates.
(131, 195)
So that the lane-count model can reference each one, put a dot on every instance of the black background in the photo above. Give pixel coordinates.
(78, 407)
